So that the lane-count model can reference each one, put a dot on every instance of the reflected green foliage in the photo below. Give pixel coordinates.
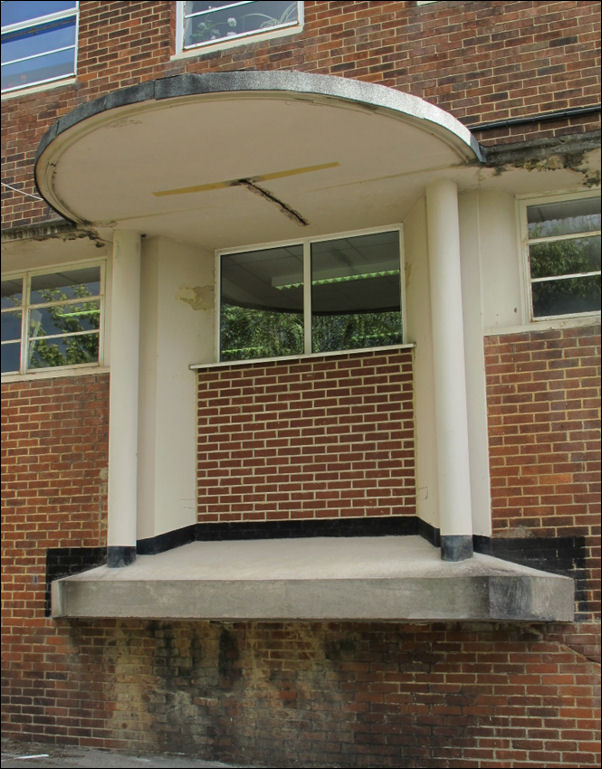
(348, 331)
(565, 257)
(248, 333)
(66, 319)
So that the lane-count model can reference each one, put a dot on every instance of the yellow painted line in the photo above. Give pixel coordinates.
(232, 182)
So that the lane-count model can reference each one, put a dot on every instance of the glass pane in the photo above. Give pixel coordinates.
(64, 319)
(16, 11)
(356, 292)
(11, 355)
(49, 67)
(11, 325)
(222, 23)
(564, 217)
(199, 7)
(20, 45)
(262, 303)
(566, 297)
(45, 353)
(69, 284)
(564, 257)
(12, 292)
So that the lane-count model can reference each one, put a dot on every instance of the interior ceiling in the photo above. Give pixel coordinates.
(234, 169)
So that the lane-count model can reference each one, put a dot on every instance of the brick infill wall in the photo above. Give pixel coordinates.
(325, 437)
(543, 391)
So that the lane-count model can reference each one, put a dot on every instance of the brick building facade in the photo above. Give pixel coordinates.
(161, 164)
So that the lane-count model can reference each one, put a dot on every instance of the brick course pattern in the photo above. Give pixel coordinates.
(311, 694)
(328, 437)
(544, 438)
(54, 479)
(481, 62)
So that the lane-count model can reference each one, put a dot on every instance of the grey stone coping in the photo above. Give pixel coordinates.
(369, 95)
(341, 578)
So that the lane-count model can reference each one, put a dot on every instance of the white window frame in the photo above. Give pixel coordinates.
(243, 39)
(523, 204)
(306, 243)
(26, 276)
(40, 21)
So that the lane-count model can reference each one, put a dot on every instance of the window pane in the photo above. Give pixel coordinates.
(262, 303)
(11, 325)
(39, 40)
(564, 217)
(64, 319)
(564, 257)
(45, 353)
(65, 285)
(566, 297)
(11, 355)
(231, 21)
(356, 292)
(51, 66)
(16, 11)
(12, 292)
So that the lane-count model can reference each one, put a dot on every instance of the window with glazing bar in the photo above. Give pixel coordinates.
(39, 43)
(203, 24)
(318, 295)
(51, 319)
(563, 240)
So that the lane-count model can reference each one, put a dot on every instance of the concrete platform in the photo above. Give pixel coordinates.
(352, 578)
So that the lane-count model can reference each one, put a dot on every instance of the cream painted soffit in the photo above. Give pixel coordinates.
(223, 158)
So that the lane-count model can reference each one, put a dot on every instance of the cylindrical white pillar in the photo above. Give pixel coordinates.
(123, 415)
(455, 516)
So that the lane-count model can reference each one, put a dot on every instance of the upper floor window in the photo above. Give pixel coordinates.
(312, 296)
(39, 42)
(51, 319)
(218, 23)
(563, 238)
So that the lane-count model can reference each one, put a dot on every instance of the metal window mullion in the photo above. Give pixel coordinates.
(39, 21)
(307, 314)
(566, 277)
(67, 335)
(61, 302)
(215, 10)
(566, 236)
(25, 321)
(38, 55)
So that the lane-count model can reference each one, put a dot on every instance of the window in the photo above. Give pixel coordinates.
(563, 238)
(219, 23)
(39, 42)
(51, 319)
(316, 296)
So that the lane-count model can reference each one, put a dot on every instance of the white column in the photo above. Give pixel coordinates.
(123, 414)
(453, 463)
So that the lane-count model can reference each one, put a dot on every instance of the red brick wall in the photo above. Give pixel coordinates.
(482, 62)
(313, 694)
(544, 427)
(54, 477)
(327, 437)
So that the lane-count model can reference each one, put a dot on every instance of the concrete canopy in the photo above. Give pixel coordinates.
(224, 159)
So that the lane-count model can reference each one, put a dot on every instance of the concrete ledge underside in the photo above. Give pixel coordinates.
(352, 578)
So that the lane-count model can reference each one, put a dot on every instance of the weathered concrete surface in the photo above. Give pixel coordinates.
(27, 755)
(354, 578)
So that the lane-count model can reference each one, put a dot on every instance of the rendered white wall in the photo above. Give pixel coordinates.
(470, 209)
(177, 322)
(418, 330)
(500, 262)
